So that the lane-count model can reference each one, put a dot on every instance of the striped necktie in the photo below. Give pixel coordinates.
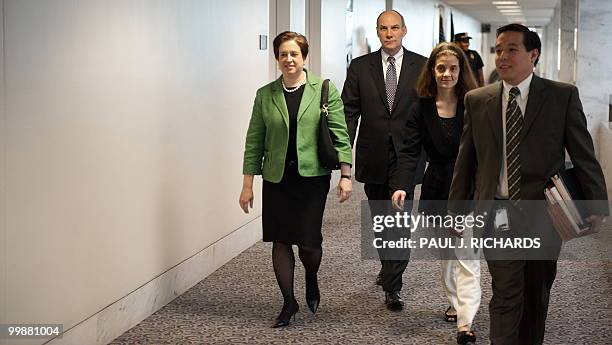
(391, 82)
(514, 124)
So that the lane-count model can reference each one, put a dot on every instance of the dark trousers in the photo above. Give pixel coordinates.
(518, 308)
(393, 269)
(521, 284)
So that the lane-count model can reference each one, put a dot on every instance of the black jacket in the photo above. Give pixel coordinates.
(364, 97)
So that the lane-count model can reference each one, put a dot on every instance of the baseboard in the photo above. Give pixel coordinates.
(116, 319)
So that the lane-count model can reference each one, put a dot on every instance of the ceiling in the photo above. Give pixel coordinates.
(534, 12)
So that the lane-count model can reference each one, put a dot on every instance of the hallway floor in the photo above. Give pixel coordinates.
(238, 303)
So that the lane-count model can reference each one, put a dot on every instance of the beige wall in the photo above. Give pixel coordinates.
(122, 138)
(3, 244)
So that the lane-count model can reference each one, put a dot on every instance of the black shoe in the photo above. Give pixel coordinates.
(379, 278)
(313, 296)
(393, 301)
(288, 311)
(466, 337)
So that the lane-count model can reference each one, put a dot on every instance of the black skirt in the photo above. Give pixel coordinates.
(293, 209)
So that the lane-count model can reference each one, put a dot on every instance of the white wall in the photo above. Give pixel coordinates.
(365, 13)
(594, 68)
(422, 21)
(298, 16)
(122, 143)
(333, 41)
(550, 47)
(419, 17)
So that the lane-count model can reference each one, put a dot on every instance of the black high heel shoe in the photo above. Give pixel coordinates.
(313, 296)
(466, 337)
(288, 311)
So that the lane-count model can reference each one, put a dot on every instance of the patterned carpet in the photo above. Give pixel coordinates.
(238, 303)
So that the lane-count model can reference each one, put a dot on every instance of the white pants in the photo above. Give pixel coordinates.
(461, 281)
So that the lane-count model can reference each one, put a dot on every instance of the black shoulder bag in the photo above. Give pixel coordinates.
(326, 150)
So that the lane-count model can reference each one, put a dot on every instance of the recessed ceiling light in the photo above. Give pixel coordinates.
(508, 7)
(504, 2)
(510, 11)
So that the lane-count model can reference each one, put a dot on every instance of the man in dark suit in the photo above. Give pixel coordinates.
(514, 139)
(379, 88)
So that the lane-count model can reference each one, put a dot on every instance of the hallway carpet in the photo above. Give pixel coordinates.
(238, 303)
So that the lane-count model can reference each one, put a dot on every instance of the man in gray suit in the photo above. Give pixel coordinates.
(513, 141)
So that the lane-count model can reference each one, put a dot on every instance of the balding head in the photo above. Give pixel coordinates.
(391, 13)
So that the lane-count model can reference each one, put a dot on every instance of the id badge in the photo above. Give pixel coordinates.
(501, 222)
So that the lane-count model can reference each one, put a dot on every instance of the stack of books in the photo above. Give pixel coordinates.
(566, 212)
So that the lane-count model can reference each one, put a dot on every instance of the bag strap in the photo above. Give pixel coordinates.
(325, 96)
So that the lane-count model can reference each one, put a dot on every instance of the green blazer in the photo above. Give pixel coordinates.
(268, 135)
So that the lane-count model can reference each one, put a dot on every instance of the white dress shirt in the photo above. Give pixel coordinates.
(502, 186)
(398, 62)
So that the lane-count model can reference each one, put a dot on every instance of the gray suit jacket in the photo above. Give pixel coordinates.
(553, 121)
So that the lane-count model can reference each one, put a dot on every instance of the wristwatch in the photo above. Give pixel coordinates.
(345, 176)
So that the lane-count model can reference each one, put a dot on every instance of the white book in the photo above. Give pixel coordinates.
(568, 199)
(565, 209)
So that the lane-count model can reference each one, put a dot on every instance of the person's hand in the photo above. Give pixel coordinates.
(397, 199)
(246, 199)
(595, 221)
(345, 188)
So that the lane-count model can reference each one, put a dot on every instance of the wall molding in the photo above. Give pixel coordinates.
(114, 320)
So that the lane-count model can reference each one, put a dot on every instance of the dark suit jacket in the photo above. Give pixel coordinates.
(553, 121)
(424, 131)
(364, 96)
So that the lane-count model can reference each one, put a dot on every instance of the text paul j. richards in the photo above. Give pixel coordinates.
(458, 222)
(452, 243)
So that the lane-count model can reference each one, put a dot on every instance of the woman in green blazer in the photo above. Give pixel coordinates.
(281, 145)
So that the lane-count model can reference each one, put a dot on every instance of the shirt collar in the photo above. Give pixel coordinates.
(522, 86)
(397, 56)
